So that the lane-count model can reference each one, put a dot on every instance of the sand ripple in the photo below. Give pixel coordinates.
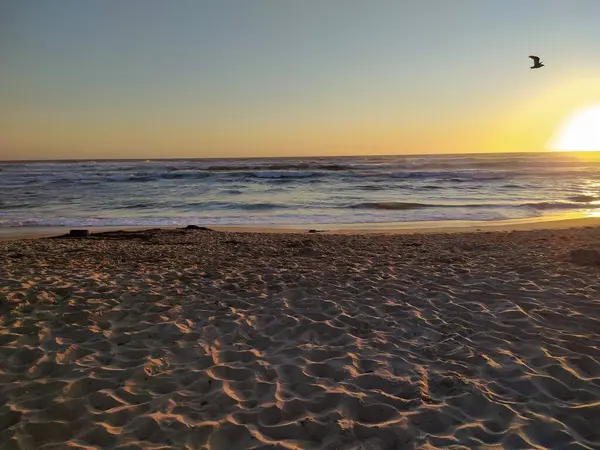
(218, 340)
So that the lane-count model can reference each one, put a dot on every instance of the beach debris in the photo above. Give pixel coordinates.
(585, 257)
(316, 231)
(79, 233)
(197, 227)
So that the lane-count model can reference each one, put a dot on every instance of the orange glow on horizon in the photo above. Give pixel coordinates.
(525, 125)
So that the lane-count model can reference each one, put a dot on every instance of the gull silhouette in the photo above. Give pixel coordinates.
(536, 62)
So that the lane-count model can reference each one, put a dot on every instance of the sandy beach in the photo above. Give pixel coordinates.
(227, 340)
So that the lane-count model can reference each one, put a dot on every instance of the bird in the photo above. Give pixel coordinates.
(537, 64)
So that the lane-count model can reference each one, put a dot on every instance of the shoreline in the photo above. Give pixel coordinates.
(428, 227)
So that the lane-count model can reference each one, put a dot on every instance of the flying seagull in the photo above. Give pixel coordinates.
(536, 62)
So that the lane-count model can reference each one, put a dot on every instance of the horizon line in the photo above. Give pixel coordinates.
(65, 160)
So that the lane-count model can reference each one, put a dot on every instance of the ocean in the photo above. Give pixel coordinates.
(296, 191)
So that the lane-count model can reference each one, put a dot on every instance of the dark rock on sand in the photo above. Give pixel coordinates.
(585, 257)
(79, 233)
(196, 227)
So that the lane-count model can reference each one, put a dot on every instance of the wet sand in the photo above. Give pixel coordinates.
(558, 222)
(220, 340)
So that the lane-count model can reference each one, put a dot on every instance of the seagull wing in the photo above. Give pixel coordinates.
(536, 59)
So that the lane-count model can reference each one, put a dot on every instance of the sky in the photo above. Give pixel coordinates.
(245, 78)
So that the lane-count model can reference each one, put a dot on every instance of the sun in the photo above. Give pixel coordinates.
(579, 133)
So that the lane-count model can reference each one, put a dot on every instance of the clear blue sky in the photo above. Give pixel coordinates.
(150, 78)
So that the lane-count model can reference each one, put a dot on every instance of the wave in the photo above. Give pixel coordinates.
(138, 205)
(183, 175)
(559, 205)
(392, 205)
(452, 176)
(283, 174)
(108, 177)
(372, 187)
(258, 206)
(223, 206)
(362, 173)
(255, 167)
(399, 206)
(154, 176)
(141, 177)
(202, 206)
(584, 198)
(530, 162)
(291, 166)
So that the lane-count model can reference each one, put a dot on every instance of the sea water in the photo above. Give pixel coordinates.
(283, 191)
